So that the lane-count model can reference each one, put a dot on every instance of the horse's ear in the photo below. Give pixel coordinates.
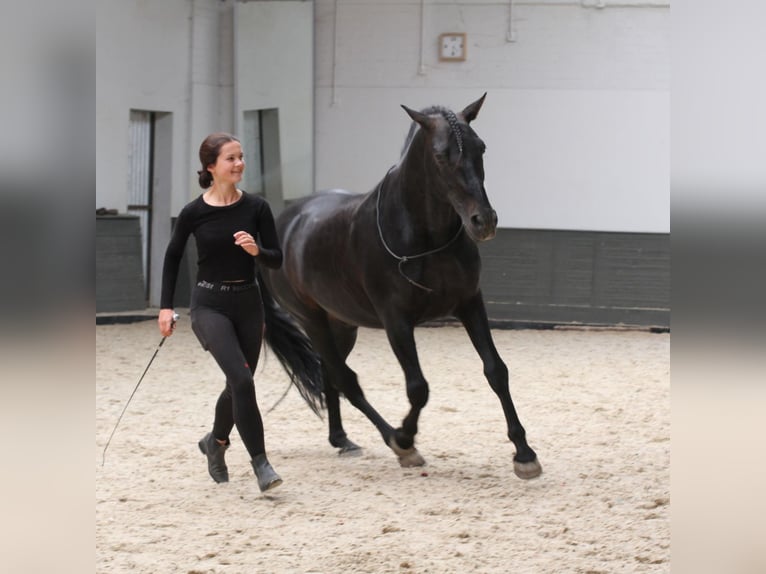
(425, 121)
(472, 110)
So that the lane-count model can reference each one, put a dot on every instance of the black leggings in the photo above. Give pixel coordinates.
(230, 326)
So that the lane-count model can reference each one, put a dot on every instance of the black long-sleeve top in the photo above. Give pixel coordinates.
(219, 259)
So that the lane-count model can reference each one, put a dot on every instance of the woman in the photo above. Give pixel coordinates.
(226, 308)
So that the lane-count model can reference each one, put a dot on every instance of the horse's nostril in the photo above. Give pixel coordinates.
(477, 221)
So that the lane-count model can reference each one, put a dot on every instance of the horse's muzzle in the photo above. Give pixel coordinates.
(483, 226)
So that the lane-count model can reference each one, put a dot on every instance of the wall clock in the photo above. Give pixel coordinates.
(452, 47)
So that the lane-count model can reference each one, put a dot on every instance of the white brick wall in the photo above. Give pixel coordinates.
(576, 120)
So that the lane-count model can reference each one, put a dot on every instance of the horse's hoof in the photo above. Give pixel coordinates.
(350, 449)
(527, 470)
(408, 457)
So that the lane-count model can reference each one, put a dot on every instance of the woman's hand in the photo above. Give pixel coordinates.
(246, 242)
(166, 322)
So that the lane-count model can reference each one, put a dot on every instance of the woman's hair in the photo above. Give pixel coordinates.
(208, 155)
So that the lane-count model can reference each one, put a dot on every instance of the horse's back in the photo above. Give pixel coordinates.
(319, 222)
(319, 207)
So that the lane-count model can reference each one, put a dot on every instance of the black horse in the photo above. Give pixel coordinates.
(393, 258)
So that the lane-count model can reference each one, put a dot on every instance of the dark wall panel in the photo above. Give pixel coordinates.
(545, 276)
(119, 272)
(528, 276)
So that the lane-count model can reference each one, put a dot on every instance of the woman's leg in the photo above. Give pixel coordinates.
(249, 324)
(247, 318)
(236, 405)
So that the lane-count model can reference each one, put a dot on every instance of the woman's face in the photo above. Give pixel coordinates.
(229, 166)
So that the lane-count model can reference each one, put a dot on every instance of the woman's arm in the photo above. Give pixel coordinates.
(170, 267)
(270, 253)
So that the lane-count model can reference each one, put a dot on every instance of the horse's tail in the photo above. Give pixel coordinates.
(294, 351)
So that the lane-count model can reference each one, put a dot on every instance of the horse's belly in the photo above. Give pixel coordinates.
(353, 315)
(342, 300)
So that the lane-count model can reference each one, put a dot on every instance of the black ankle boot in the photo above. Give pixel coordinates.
(215, 451)
(267, 476)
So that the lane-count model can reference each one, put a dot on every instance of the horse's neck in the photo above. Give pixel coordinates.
(408, 194)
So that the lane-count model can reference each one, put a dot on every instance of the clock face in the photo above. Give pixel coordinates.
(452, 46)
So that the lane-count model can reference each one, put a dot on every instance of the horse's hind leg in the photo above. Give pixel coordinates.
(333, 349)
(338, 437)
(344, 342)
(473, 316)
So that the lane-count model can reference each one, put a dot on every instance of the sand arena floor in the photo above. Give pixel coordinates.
(595, 404)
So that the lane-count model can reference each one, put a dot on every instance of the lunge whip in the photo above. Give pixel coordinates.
(103, 456)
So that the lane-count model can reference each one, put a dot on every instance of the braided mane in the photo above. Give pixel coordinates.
(448, 115)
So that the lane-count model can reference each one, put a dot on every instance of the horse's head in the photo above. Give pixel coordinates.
(457, 154)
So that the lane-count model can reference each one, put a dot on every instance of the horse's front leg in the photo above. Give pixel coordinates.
(402, 340)
(473, 316)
